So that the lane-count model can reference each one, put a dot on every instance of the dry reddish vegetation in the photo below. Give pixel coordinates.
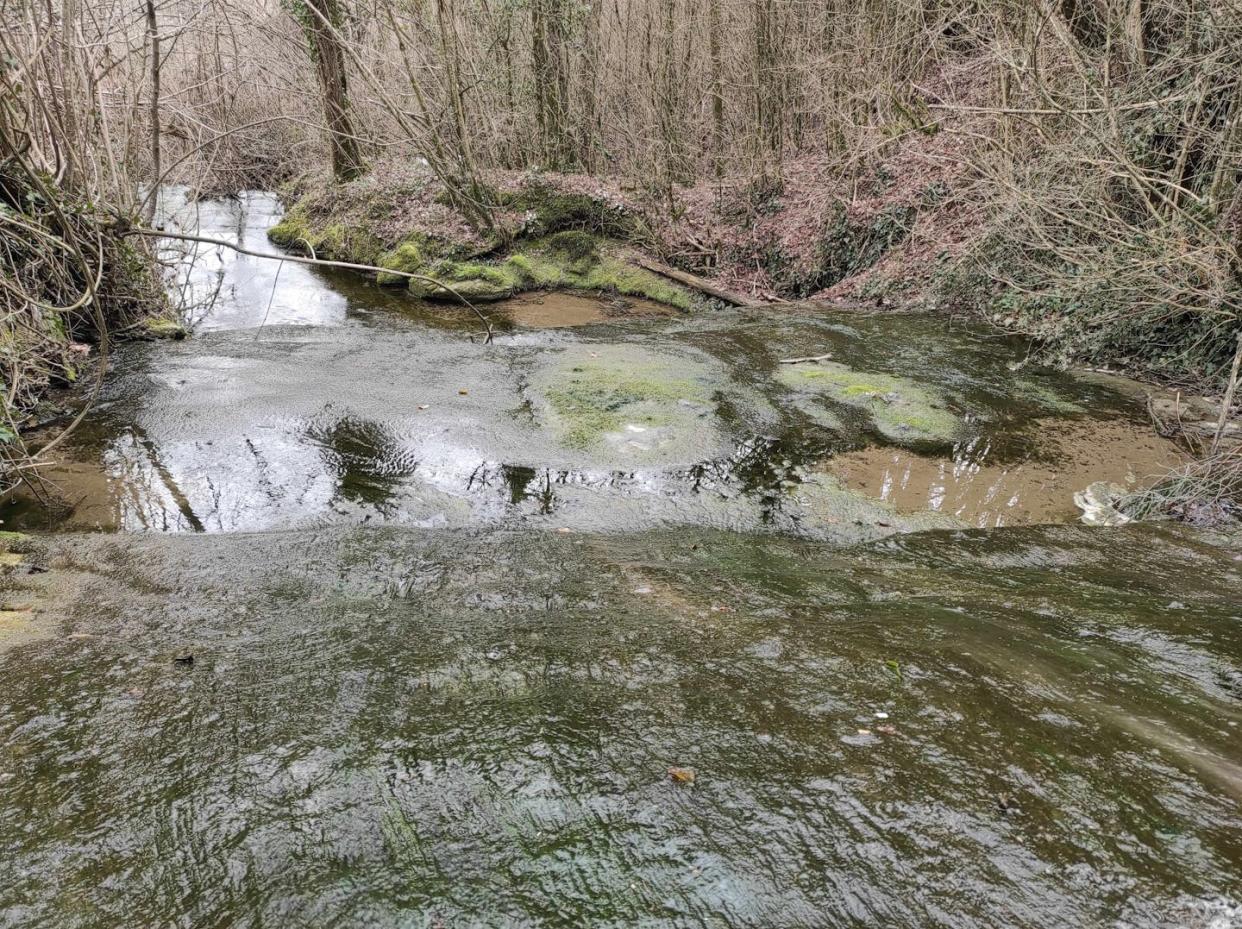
(752, 235)
(732, 228)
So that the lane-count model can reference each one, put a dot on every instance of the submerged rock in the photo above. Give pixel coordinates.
(898, 408)
(651, 407)
(826, 509)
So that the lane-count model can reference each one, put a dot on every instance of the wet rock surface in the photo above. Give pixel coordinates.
(396, 724)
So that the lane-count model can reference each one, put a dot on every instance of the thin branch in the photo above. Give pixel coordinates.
(317, 262)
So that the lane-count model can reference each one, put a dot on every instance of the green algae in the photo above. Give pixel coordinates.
(647, 402)
(899, 408)
(598, 399)
(1046, 397)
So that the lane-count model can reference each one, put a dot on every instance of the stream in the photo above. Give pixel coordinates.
(341, 617)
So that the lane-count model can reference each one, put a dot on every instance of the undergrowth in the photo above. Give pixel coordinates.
(71, 278)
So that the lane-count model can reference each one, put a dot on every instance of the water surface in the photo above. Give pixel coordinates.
(374, 628)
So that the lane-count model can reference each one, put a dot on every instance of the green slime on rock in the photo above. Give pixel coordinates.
(901, 410)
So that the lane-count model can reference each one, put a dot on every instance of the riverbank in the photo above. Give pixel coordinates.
(912, 234)
(74, 283)
(549, 233)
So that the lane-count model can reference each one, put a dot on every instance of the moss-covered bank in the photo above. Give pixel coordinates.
(550, 239)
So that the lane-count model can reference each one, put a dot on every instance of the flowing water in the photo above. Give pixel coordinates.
(342, 618)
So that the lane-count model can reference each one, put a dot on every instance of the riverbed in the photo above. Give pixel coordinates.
(344, 617)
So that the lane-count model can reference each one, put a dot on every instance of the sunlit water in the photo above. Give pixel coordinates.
(443, 660)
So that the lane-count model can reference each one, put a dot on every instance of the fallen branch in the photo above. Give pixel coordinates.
(806, 360)
(694, 282)
(316, 262)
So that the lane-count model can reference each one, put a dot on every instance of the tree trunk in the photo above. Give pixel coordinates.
(156, 158)
(551, 81)
(322, 21)
(713, 30)
(1136, 46)
(769, 102)
(1087, 20)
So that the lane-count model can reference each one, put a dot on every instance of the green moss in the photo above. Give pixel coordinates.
(536, 271)
(165, 327)
(571, 254)
(615, 276)
(335, 241)
(571, 260)
(552, 211)
(578, 249)
(406, 257)
(292, 232)
(472, 280)
(900, 409)
(55, 324)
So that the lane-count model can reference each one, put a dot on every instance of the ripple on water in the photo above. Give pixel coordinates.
(382, 726)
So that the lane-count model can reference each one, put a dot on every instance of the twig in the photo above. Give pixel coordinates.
(271, 298)
(316, 262)
(1227, 404)
(806, 360)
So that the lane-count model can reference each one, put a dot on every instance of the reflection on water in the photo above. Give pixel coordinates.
(310, 398)
(223, 289)
(1073, 454)
(557, 310)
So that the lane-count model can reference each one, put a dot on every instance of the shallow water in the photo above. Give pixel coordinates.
(1031, 491)
(396, 636)
(308, 399)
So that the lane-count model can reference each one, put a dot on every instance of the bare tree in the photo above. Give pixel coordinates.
(322, 21)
